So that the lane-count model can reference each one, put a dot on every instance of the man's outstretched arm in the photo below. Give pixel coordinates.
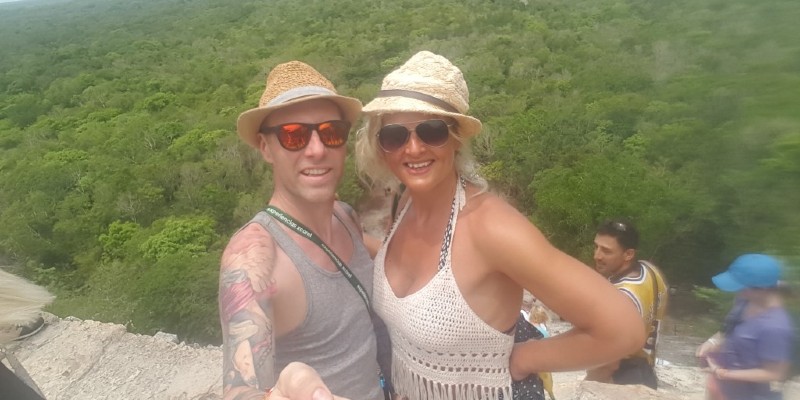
(246, 289)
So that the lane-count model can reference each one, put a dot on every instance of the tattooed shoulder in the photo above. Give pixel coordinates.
(247, 285)
(250, 257)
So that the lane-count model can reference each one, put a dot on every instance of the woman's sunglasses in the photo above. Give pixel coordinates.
(433, 132)
(295, 136)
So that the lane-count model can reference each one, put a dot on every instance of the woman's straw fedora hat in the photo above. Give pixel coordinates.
(430, 84)
(290, 83)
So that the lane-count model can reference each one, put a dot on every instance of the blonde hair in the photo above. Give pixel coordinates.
(374, 172)
(20, 300)
(538, 315)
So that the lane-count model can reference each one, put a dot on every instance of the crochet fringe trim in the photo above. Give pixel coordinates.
(414, 387)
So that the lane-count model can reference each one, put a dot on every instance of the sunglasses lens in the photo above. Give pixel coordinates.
(333, 133)
(433, 132)
(293, 136)
(392, 137)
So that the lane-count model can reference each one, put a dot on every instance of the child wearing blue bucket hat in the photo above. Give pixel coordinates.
(751, 357)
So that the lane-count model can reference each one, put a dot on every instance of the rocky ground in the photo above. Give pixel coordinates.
(72, 359)
(678, 374)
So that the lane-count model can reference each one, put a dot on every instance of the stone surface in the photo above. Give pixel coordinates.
(72, 359)
(600, 391)
(678, 376)
(675, 382)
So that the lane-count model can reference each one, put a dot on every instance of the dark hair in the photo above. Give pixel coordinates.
(621, 229)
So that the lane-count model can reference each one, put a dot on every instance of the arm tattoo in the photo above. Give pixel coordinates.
(245, 292)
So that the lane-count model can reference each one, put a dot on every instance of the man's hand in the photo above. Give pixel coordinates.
(298, 381)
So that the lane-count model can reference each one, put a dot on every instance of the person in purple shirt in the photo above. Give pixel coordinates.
(751, 358)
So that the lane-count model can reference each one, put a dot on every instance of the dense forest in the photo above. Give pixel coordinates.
(121, 176)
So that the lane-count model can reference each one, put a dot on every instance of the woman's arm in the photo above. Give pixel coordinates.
(710, 346)
(607, 326)
(770, 371)
(774, 349)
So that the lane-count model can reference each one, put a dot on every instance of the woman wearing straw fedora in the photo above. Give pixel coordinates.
(449, 276)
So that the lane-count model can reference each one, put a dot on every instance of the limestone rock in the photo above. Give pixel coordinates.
(603, 391)
(71, 359)
(168, 337)
(74, 359)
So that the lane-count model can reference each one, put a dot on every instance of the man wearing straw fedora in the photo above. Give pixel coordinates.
(296, 280)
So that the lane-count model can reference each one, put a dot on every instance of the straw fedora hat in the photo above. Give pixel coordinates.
(430, 84)
(290, 83)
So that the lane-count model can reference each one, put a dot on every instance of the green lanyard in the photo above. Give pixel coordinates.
(340, 265)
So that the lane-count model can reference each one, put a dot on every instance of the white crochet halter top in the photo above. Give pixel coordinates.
(441, 349)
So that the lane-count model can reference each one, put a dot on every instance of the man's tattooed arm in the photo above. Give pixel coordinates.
(246, 288)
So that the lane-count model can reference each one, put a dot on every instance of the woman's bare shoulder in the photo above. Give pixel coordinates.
(489, 208)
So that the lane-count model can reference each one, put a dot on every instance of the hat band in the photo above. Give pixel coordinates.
(419, 96)
(297, 92)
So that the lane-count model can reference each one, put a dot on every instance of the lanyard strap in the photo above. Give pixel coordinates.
(308, 234)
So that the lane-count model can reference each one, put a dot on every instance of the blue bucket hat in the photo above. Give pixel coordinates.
(749, 271)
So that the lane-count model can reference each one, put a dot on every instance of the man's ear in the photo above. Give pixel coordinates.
(629, 255)
(264, 149)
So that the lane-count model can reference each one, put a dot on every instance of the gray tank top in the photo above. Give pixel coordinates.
(336, 338)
